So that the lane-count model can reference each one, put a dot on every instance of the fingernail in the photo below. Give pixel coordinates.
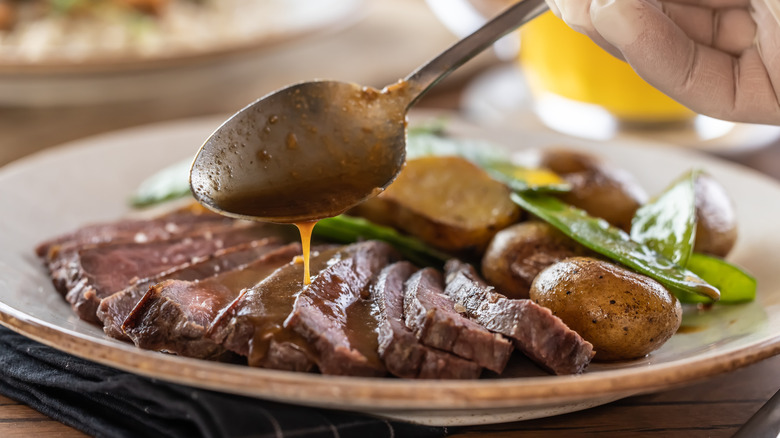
(554, 8)
(618, 21)
(576, 14)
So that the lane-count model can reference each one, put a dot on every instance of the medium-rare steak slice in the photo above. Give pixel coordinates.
(253, 324)
(437, 322)
(404, 355)
(181, 221)
(60, 257)
(113, 310)
(174, 315)
(100, 271)
(542, 336)
(334, 312)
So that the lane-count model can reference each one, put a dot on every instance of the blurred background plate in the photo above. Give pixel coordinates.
(189, 46)
(83, 36)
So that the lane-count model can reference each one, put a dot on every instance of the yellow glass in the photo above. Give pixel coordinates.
(558, 60)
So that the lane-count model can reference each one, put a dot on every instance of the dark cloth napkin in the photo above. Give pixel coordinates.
(105, 402)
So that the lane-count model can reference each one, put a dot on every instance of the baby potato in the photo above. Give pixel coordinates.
(716, 223)
(518, 253)
(624, 315)
(600, 189)
(445, 201)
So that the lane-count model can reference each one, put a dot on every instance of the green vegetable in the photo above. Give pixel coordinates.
(614, 243)
(735, 285)
(667, 223)
(169, 183)
(348, 229)
(431, 127)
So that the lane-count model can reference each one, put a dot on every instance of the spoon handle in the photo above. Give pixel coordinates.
(427, 75)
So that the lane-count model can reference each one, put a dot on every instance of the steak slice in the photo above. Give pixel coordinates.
(181, 221)
(403, 355)
(333, 315)
(542, 336)
(58, 258)
(253, 324)
(174, 315)
(100, 271)
(113, 310)
(437, 322)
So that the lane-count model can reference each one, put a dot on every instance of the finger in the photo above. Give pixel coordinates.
(767, 17)
(714, 4)
(706, 80)
(576, 14)
(731, 30)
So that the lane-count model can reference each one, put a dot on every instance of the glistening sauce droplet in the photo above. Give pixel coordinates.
(305, 228)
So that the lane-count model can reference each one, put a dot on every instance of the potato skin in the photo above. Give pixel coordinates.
(518, 253)
(716, 222)
(600, 189)
(445, 201)
(624, 315)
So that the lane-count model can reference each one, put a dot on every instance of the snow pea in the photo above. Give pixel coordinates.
(735, 285)
(169, 183)
(349, 229)
(601, 237)
(667, 223)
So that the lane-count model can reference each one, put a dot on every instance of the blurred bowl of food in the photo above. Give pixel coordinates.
(92, 51)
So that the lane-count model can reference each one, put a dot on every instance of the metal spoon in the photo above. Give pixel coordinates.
(315, 149)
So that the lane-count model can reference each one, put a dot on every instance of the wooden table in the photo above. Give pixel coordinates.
(716, 407)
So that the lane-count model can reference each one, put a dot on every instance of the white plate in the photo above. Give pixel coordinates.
(90, 180)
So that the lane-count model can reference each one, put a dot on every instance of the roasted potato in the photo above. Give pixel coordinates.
(519, 252)
(624, 315)
(447, 202)
(716, 223)
(596, 187)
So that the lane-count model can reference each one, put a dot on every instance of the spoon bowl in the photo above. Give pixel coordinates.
(315, 149)
(302, 153)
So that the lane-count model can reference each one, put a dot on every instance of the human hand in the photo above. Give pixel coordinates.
(720, 58)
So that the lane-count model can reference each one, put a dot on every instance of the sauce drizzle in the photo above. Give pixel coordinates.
(306, 228)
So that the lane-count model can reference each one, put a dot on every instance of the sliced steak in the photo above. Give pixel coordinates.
(253, 324)
(181, 221)
(99, 271)
(113, 310)
(542, 336)
(333, 314)
(174, 315)
(437, 322)
(61, 257)
(404, 355)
